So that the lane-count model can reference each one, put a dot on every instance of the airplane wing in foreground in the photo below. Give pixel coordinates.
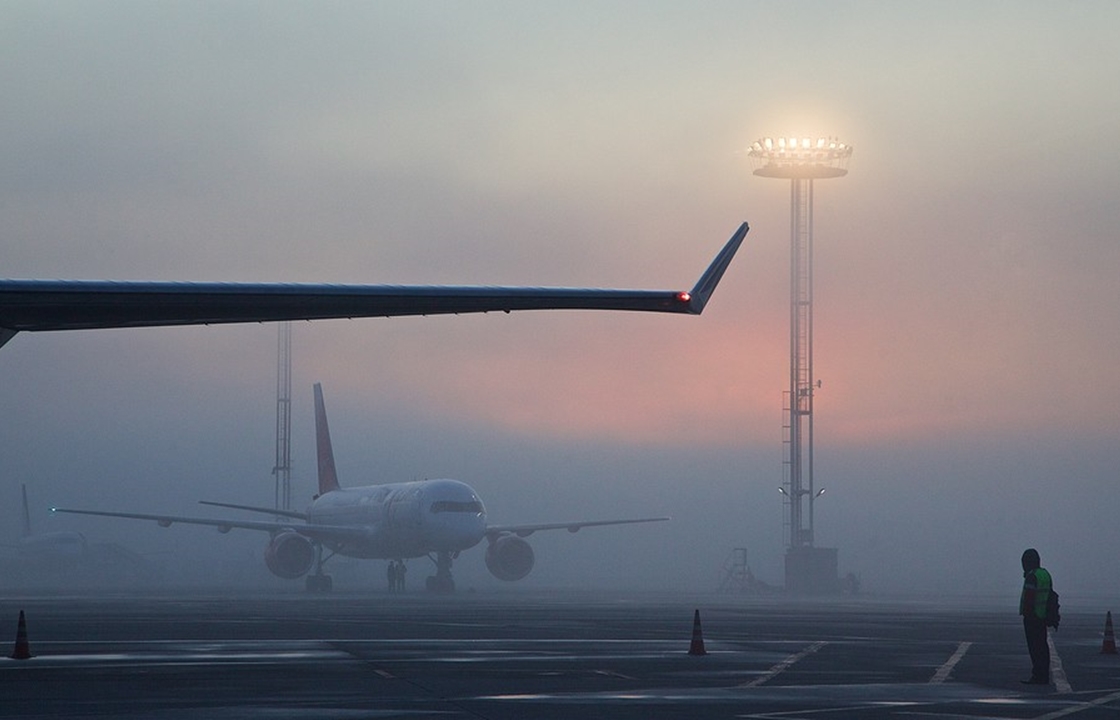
(527, 530)
(43, 305)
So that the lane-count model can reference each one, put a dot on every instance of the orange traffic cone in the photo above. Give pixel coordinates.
(697, 646)
(1109, 645)
(22, 650)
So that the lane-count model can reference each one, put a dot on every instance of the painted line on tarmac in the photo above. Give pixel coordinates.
(944, 671)
(785, 665)
(1057, 673)
(1073, 709)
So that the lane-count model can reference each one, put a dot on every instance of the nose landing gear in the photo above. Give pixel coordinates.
(441, 582)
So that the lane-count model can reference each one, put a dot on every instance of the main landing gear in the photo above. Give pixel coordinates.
(441, 582)
(318, 581)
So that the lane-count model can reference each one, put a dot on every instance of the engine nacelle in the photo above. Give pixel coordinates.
(509, 558)
(289, 555)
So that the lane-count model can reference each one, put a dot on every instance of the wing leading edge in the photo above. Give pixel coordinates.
(45, 305)
(527, 530)
(315, 532)
(331, 532)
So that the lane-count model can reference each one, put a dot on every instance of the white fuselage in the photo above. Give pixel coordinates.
(54, 545)
(403, 520)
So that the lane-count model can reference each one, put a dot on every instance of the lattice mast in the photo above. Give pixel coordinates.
(801, 161)
(282, 470)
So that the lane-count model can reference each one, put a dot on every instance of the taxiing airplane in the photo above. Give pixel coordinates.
(398, 521)
(43, 305)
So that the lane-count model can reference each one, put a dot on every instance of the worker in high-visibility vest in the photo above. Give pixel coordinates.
(1032, 606)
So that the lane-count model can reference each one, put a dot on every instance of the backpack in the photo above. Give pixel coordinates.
(1053, 617)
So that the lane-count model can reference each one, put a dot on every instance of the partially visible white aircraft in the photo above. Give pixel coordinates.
(398, 521)
(66, 559)
(45, 305)
(61, 545)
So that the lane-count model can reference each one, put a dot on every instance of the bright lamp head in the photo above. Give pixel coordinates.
(804, 158)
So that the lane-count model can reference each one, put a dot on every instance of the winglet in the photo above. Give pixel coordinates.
(704, 288)
(328, 476)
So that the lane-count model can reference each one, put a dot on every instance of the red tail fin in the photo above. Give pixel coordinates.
(328, 476)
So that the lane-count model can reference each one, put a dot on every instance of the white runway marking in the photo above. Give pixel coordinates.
(1057, 674)
(1079, 707)
(785, 664)
(943, 672)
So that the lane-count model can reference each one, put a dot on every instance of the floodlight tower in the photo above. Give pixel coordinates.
(801, 161)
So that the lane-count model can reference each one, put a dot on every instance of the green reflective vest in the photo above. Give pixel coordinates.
(1040, 582)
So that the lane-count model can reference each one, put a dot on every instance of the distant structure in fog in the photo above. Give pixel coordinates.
(283, 467)
(736, 576)
(801, 161)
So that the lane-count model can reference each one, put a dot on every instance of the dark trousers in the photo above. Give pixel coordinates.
(1035, 630)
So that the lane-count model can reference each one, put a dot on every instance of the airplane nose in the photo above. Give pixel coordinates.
(459, 533)
(473, 531)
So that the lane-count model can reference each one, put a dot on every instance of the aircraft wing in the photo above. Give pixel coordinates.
(527, 530)
(255, 508)
(313, 531)
(42, 305)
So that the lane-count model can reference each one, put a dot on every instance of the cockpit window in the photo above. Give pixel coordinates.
(471, 506)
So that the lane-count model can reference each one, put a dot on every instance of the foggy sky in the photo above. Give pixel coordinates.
(967, 310)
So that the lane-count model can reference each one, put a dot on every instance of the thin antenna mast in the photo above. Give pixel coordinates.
(283, 467)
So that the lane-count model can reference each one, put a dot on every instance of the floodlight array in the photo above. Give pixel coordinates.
(775, 155)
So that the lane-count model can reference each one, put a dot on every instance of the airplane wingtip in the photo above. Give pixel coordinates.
(706, 285)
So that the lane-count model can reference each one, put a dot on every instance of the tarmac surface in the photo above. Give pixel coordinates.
(541, 655)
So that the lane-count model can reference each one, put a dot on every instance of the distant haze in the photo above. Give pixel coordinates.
(967, 304)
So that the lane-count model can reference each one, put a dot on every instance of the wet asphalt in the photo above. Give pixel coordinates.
(544, 655)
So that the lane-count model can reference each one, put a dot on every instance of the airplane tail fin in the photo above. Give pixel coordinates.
(26, 514)
(328, 476)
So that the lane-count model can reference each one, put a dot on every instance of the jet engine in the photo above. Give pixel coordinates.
(508, 557)
(289, 555)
